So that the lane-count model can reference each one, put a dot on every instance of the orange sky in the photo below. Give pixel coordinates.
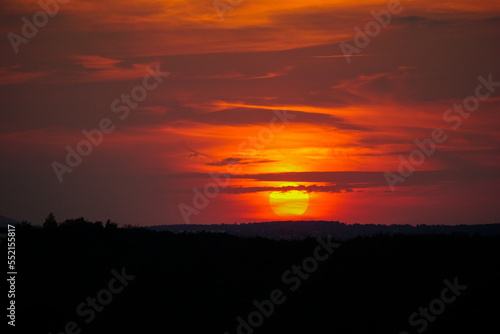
(228, 79)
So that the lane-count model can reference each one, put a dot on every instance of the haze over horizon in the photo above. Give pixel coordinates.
(258, 109)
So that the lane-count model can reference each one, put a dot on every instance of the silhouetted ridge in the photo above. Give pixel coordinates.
(342, 231)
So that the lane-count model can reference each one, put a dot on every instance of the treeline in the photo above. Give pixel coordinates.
(207, 282)
(303, 229)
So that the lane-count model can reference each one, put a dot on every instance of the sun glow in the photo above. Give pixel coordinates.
(289, 203)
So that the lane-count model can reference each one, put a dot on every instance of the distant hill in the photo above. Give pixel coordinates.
(4, 221)
(207, 282)
(342, 231)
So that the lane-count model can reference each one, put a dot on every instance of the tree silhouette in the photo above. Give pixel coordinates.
(50, 221)
(217, 277)
(110, 225)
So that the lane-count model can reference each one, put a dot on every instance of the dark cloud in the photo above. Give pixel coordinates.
(238, 161)
(310, 188)
(358, 179)
(244, 116)
(417, 21)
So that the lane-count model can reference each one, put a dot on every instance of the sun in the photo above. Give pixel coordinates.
(289, 203)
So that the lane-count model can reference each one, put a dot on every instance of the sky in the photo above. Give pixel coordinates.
(174, 112)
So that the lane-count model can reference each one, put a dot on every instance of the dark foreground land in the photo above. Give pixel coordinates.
(86, 278)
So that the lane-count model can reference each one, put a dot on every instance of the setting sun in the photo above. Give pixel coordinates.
(289, 203)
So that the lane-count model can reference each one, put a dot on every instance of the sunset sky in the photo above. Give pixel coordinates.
(220, 109)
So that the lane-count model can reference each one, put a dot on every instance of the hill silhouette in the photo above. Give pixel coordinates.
(341, 231)
(203, 282)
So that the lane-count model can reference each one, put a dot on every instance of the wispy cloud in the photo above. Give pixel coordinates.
(18, 74)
